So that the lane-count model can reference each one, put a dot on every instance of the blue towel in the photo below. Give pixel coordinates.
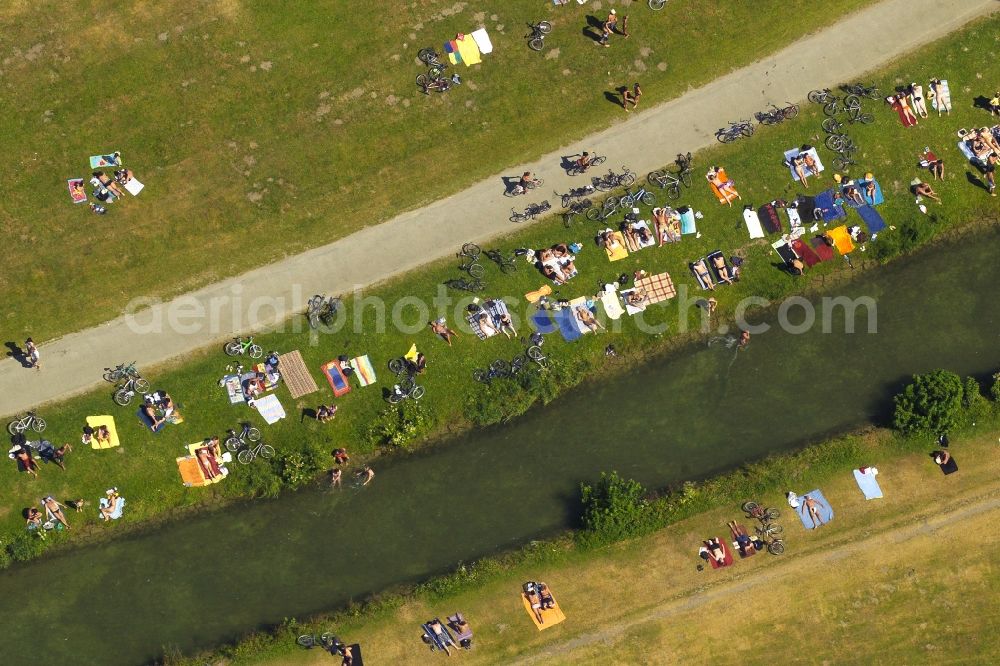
(118, 508)
(878, 199)
(149, 424)
(872, 219)
(825, 510)
(687, 222)
(542, 322)
(824, 201)
(868, 484)
(566, 318)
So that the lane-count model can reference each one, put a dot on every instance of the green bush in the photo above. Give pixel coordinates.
(615, 509)
(258, 479)
(995, 389)
(910, 234)
(296, 468)
(24, 546)
(399, 425)
(499, 401)
(932, 403)
(975, 404)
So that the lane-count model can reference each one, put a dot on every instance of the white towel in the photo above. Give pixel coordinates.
(753, 223)
(270, 408)
(483, 41)
(134, 187)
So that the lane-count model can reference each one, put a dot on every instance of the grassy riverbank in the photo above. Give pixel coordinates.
(144, 469)
(914, 560)
(262, 133)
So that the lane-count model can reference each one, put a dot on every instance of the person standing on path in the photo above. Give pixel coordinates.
(631, 97)
(32, 354)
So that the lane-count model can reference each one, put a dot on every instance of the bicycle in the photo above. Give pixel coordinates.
(642, 195)
(327, 641)
(657, 5)
(124, 394)
(530, 213)
(736, 130)
(578, 193)
(247, 434)
(120, 371)
(523, 186)
(851, 104)
(240, 346)
(576, 208)
(855, 115)
(499, 369)
(536, 39)
(840, 143)
(461, 284)
(774, 544)
(595, 160)
(611, 180)
(764, 514)
(406, 389)
(821, 96)
(505, 263)
(322, 309)
(470, 260)
(607, 209)
(842, 163)
(668, 181)
(22, 423)
(428, 82)
(249, 454)
(777, 115)
(861, 90)
(429, 57)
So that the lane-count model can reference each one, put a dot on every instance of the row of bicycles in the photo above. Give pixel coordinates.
(503, 369)
(434, 80)
(744, 128)
(842, 112)
(470, 255)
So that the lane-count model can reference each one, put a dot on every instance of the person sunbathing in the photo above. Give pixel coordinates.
(55, 508)
(440, 637)
(978, 147)
(552, 272)
(123, 176)
(916, 92)
(743, 540)
(560, 250)
(636, 297)
(348, 659)
(852, 192)
(109, 184)
(721, 270)
(326, 413)
(811, 506)
(149, 411)
(536, 604)
(904, 106)
(545, 596)
(986, 135)
(25, 461)
(440, 328)
(507, 326)
(167, 405)
(587, 318)
(628, 233)
(50, 453)
(922, 189)
(33, 519)
(207, 462)
(810, 161)
(744, 339)
(77, 191)
(799, 166)
(102, 434)
(716, 551)
(870, 190)
(701, 270)
(608, 240)
(726, 188)
(663, 227)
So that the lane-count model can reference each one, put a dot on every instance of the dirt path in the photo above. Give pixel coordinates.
(843, 51)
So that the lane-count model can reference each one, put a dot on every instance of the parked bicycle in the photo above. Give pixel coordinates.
(461, 284)
(120, 371)
(124, 393)
(774, 544)
(629, 199)
(611, 180)
(30, 420)
(407, 389)
(572, 195)
(851, 104)
(530, 213)
(325, 641)
(608, 208)
(840, 143)
(249, 454)
(433, 80)
(247, 435)
(243, 346)
(764, 514)
(736, 130)
(524, 186)
(842, 163)
(505, 263)
(666, 180)
(581, 207)
(821, 96)
(536, 38)
(322, 310)
(595, 160)
(499, 369)
(429, 57)
(470, 260)
(861, 90)
(776, 115)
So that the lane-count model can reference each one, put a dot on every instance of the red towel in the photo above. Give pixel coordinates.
(824, 251)
(805, 252)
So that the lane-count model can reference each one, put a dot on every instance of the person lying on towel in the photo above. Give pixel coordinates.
(545, 596)
(636, 298)
(608, 241)
(854, 194)
(719, 262)
(713, 550)
(701, 270)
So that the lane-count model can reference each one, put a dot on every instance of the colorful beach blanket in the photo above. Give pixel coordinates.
(335, 375)
(296, 374)
(76, 191)
(112, 159)
(105, 420)
(363, 370)
(270, 408)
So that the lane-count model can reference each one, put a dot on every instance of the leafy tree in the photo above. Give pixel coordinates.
(932, 403)
(616, 509)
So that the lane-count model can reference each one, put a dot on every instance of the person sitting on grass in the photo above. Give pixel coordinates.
(33, 518)
(587, 318)
(109, 184)
(149, 411)
(21, 453)
(922, 189)
(254, 387)
(552, 272)
(110, 504)
(636, 298)
(325, 413)
(335, 477)
(53, 455)
(340, 456)
(439, 327)
(507, 326)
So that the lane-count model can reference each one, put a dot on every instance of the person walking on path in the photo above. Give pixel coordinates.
(631, 97)
(31, 352)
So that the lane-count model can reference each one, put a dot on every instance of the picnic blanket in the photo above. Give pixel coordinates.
(113, 159)
(806, 206)
(727, 557)
(569, 324)
(795, 152)
(784, 250)
(468, 49)
(868, 483)
(827, 204)
(550, 616)
(497, 309)
(941, 96)
(768, 215)
(76, 191)
(702, 281)
(541, 321)
(633, 309)
(752, 221)
(619, 251)
(482, 41)
(823, 249)
(234, 388)
(876, 200)
(296, 374)
(842, 239)
(794, 219)
(609, 299)
(451, 48)
(806, 253)
(688, 224)
(872, 218)
(723, 198)
(363, 370)
(825, 510)
(134, 186)
(109, 421)
(335, 375)
(270, 408)
(658, 287)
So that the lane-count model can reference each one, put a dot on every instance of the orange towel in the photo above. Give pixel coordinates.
(718, 194)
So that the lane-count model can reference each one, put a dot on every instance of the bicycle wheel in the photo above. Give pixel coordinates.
(776, 547)
(500, 366)
(746, 129)
(266, 451)
(111, 376)
(774, 529)
(627, 179)
(233, 444)
(253, 435)
(15, 427)
(476, 270)
(594, 215)
(481, 376)
(123, 397)
(832, 126)
(38, 424)
(832, 107)
(657, 5)
(865, 118)
(842, 163)
(308, 641)
(396, 366)
(656, 179)
(674, 191)
(599, 160)
(396, 398)
(417, 393)
(140, 385)
(516, 364)
(233, 348)
(518, 217)
(790, 112)
(611, 204)
(852, 102)
(507, 266)
(255, 351)
(772, 514)
(477, 285)
(423, 81)
(816, 96)
(626, 201)
(472, 250)
(314, 319)
(427, 55)
(648, 198)
(436, 70)
(534, 352)
(723, 136)
(750, 507)
(544, 27)
(685, 177)
(834, 142)
(245, 456)
(536, 43)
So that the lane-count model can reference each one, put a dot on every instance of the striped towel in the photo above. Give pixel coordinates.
(363, 370)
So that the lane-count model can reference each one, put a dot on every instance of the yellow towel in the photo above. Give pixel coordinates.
(109, 421)
(551, 616)
(619, 252)
(468, 50)
(842, 239)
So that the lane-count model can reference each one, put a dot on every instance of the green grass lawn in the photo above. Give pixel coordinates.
(144, 466)
(260, 133)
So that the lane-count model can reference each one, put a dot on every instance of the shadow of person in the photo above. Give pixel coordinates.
(567, 162)
(509, 183)
(974, 179)
(593, 34)
(981, 102)
(308, 413)
(16, 353)
(595, 22)
(614, 96)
